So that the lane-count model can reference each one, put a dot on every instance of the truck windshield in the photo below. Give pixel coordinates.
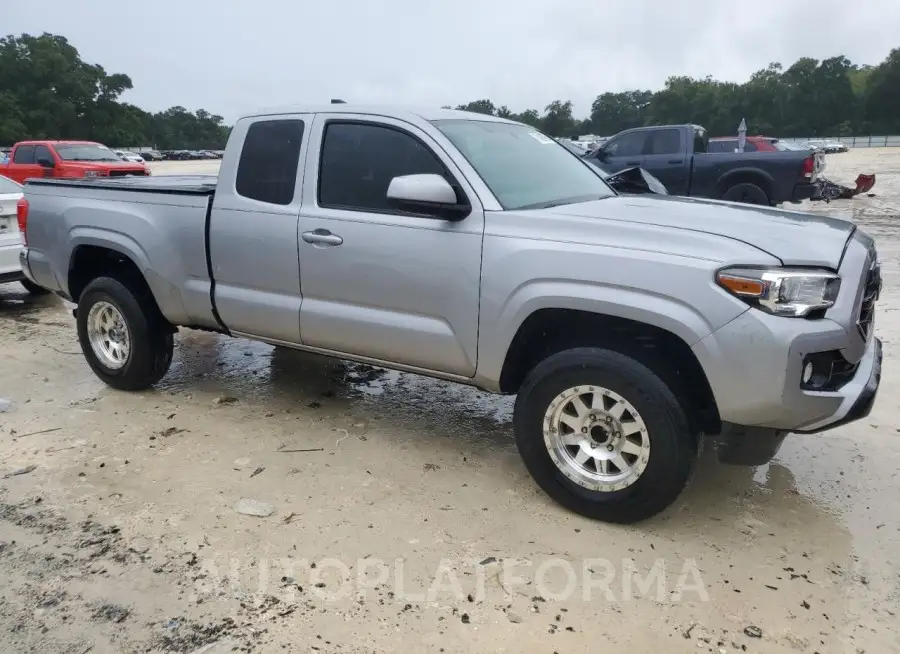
(524, 168)
(85, 152)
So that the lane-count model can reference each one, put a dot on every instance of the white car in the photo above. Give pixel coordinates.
(835, 146)
(129, 156)
(11, 239)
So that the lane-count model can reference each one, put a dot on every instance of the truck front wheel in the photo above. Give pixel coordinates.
(603, 435)
(122, 336)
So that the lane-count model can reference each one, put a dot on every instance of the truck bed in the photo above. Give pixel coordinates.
(180, 184)
(160, 224)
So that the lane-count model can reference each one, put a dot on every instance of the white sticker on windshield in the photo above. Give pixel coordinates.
(541, 138)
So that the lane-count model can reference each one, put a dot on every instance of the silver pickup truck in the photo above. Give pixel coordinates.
(481, 251)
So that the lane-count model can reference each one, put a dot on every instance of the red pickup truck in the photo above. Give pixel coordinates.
(66, 159)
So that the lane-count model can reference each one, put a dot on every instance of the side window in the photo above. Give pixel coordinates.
(359, 160)
(24, 154)
(749, 146)
(267, 170)
(627, 145)
(42, 152)
(665, 141)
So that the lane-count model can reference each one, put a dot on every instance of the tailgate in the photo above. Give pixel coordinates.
(819, 167)
(10, 239)
(9, 226)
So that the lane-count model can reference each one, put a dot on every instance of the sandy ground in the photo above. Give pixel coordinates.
(402, 519)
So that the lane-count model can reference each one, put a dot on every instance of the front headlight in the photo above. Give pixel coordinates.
(782, 292)
(91, 173)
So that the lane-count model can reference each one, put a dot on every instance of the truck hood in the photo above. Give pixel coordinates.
(797, 239)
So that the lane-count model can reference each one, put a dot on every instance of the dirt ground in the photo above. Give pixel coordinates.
(401, 519)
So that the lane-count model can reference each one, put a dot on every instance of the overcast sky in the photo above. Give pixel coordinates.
(233, 57)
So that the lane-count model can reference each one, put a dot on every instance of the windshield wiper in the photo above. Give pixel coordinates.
(564, 201)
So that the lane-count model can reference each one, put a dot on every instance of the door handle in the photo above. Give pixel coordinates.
(321, 237)
(676, 161)
(632, 163)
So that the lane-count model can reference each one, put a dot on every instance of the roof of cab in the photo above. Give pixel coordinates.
(56, 142)
(386, 111)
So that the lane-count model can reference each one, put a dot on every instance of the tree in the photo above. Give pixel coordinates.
(479, 107)
(832, 97)
(48, 91)
(557, 119)
(883, 95)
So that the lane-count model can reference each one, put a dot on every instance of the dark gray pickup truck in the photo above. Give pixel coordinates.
(677, 155)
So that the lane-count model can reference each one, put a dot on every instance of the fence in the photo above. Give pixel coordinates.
(855, 141)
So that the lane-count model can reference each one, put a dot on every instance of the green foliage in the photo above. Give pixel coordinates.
(48, 92)
(832, 97)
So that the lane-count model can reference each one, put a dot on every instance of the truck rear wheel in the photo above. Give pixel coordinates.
(747, 193)
(122, 335)
(603, 435)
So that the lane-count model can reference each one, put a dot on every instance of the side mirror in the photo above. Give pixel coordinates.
(45, 162)
(431, 194)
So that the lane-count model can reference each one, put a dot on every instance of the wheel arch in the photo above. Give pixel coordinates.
(89, 261)
(667, 352)
(746, 175)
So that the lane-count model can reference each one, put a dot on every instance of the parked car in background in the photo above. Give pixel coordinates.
(678, 155)
(827, 147)
(573, 147)
(11, 239)
(832, 147)
(151, 155)
(721, 144)
(793, 146)
(479, 250)
(67, 159)
(4, 156)
(125, 155)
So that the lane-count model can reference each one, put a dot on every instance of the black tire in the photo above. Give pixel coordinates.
(747, 193)
(33, 288)
(673, 451)
(151, 341)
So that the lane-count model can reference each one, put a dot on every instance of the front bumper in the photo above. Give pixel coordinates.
(754, 364)
(858, 400)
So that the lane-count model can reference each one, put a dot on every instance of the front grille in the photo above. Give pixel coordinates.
(870, 296)
(125, 173)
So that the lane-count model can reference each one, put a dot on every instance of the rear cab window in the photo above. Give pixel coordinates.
(270, 159)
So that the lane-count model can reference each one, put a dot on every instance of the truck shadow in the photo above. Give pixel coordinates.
(16, 302)
(449, 419)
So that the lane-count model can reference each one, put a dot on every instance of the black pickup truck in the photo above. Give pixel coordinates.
(677, 155)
